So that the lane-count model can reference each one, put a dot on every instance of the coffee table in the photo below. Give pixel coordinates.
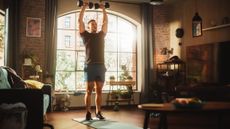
(166, 108)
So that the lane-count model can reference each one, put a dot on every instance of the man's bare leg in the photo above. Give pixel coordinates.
(98, 99)
(89, 88)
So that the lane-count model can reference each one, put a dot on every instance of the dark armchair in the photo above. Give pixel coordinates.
(33, 99)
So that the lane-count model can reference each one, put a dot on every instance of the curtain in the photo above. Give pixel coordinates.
(147, 51)
(12, 46)
(50, 39)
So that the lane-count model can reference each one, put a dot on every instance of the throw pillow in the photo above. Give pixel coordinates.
(34, 84)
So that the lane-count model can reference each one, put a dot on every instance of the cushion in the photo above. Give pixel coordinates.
(34, 84)
(4, 84)
(13, 116)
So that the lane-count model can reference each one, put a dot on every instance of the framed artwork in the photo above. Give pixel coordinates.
(200, 64)
(33, 27)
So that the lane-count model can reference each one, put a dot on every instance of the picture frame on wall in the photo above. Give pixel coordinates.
(33, 27)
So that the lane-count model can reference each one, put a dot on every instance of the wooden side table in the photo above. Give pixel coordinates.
(120, 85)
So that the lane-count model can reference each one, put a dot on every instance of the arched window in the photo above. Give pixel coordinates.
(120, 49)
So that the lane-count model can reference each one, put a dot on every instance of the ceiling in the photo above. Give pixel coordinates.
(131, 1)
(141, 1)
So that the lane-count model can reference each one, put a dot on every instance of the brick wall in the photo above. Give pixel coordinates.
(161, 32)
(35, 9)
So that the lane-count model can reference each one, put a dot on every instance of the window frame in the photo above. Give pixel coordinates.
(133, 52)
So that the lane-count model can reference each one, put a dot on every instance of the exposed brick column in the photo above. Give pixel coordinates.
(161, 32)
(35, 9)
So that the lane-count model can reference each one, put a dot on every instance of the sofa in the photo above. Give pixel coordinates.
(33, 100)
(33, 96)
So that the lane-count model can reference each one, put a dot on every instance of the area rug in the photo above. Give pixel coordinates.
(105, 124)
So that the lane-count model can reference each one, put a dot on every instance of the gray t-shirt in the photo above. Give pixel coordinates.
(94, 45)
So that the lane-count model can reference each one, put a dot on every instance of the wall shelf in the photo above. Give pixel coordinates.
(216, 27)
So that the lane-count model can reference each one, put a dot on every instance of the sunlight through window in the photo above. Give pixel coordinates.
(120, 49)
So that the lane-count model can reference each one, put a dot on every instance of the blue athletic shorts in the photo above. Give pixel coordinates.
(94, 72)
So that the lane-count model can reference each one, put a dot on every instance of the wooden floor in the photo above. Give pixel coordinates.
(132, 115)
(63, 120)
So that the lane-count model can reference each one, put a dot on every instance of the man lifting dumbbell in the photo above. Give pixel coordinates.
(94, 62)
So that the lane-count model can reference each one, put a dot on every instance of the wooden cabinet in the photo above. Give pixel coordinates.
(120, 91)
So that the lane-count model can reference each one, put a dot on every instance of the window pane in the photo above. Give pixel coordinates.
(126, 43)
(99, 20)
(65, 80)
(80, 45)
(65, 60)
(63, 21)
(80, 84)
(112, 23)
(124, 26)
(127, 59)
(111, 61)
(127, 36)
(111, 42)
(80, 60)
(2, 44)
(62, 39)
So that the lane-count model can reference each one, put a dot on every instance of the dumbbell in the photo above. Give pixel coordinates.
(96, 5)
(80, 3)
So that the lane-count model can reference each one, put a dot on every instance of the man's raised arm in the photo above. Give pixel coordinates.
(105, 19)
(80, 19)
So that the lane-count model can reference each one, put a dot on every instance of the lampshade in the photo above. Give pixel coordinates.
(156, 2)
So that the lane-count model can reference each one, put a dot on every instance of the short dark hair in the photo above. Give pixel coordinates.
(92, 20)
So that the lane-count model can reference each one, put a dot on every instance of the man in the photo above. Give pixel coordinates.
(94, 62)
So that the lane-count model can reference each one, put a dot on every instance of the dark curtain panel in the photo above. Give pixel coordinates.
(50, 33)
(12, 47)
(147, 50)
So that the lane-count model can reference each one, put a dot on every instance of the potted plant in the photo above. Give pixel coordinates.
(129, 78)
(112, 78)
(125, 73)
